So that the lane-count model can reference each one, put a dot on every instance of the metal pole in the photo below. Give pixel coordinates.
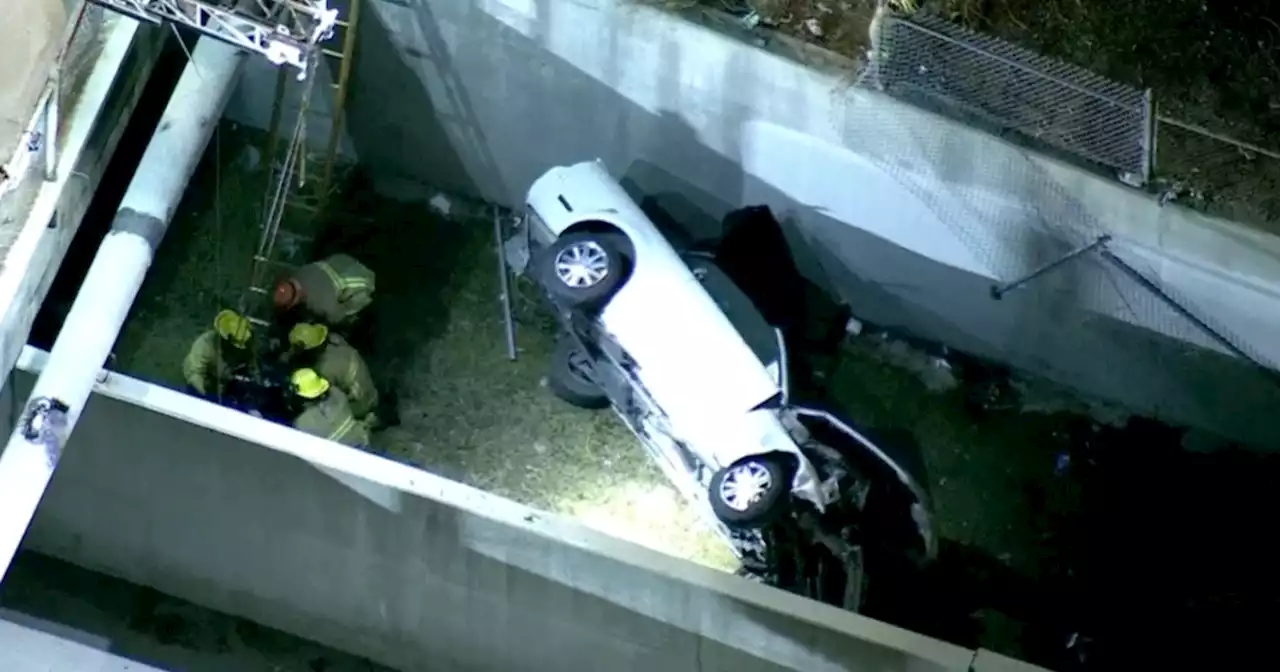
(51, 113)
(1178, 308)
(998, 291)
(1149, 136)
(505, 285)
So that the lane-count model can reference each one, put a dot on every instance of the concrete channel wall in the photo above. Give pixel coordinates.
(91, 133)
(482, 96)
(30, 35)
(408, 569)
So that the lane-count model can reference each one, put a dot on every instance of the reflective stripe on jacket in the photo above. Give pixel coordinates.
(337, 288)
(330, 418)
(205, 367)
(342, 365)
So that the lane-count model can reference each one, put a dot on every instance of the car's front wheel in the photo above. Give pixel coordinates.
(751, 492)
(582, 270)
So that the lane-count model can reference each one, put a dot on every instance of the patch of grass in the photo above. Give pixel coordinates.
(984, 472)
(470, 414)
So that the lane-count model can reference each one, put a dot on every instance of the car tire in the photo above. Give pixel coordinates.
(569, 378)
(751, 492)
(583, 270)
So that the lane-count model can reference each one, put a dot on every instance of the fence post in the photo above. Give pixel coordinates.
(1150, 137)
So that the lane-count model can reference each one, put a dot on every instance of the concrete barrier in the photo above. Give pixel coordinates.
(413, 571)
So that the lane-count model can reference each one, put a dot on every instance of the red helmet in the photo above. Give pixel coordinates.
(287, 294)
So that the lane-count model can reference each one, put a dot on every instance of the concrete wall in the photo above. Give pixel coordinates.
(433, 575)
(909, 217)
(259, 92)
(92, 131)
(30, 37)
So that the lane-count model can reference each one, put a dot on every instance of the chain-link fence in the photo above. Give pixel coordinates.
(1101, 317)
(988, 82)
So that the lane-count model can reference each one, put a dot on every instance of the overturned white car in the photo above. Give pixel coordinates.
(668, 340)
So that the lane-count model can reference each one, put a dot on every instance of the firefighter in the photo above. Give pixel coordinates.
(323, 410)
(217, 354)
(314, 346)
(333, 290)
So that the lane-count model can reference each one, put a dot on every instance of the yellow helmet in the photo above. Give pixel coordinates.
(232, 327)
(308, 336)
(308, 384)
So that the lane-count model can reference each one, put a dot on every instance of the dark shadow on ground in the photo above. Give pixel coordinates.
(416, 254)
(102, 209)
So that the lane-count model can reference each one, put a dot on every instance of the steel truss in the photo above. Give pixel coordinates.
(286, 32)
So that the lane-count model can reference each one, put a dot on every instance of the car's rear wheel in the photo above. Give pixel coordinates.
(582, 270)
(572, 376)
(751, 492)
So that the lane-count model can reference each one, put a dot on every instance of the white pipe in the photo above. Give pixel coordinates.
(113, 280)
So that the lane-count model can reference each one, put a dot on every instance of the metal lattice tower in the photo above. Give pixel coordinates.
(291, 169)
(286, 32)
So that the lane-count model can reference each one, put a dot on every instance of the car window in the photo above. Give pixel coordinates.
(737, 306)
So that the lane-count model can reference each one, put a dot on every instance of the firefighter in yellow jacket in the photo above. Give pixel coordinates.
(314, 346)
(217, 354)
(323, 410)
(333, 290)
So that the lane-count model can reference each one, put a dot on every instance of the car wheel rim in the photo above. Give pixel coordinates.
(744, 485)
(583, 264)
(580, 366)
